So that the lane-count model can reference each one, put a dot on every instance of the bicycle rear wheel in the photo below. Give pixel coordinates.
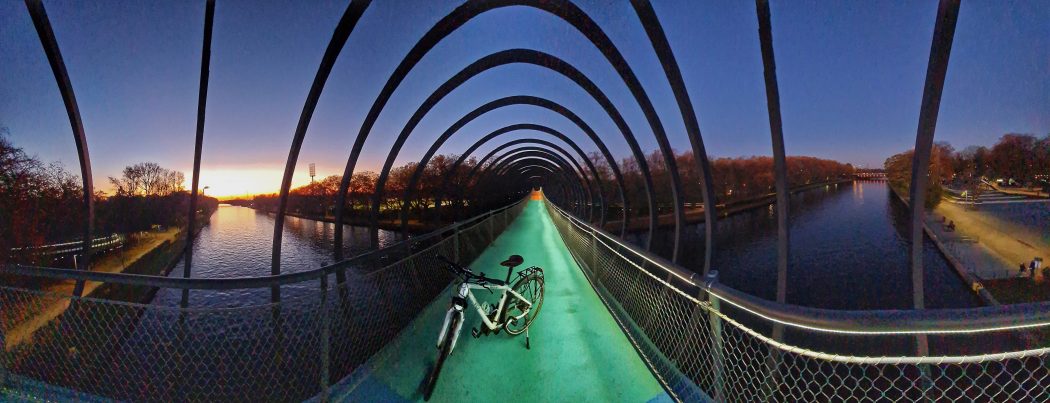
(530, 287)
(443, 352)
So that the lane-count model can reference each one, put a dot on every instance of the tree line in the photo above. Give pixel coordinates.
(734, 180)
(1021, 160)
(42, 204)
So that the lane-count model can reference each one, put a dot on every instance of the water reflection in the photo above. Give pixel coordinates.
(238, 243)
(849, 250)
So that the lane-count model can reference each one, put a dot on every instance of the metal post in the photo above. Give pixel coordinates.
(717, 356)
(455, 242)
(492, 231)
(325, 336)
(594, 253)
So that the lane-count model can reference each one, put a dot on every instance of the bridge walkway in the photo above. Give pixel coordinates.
(578, 351)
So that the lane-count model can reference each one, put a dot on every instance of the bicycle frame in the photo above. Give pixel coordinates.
(459, 305)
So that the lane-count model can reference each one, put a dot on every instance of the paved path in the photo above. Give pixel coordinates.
(1001, 245)
(578, 352)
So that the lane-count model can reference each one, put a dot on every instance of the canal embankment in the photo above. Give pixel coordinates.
(695, 215)
(152, 253)
(962, 268)
(359, 219)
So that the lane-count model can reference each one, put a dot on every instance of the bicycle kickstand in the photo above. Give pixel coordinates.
(527, 347)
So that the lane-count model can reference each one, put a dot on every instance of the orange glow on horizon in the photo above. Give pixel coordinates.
(231, 183)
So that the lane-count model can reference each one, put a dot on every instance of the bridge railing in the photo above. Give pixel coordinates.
(704, 340)
(61, 347)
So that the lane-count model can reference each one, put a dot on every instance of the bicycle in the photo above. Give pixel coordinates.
(518, 307)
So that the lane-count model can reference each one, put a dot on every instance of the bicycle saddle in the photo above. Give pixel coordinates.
(512, 261)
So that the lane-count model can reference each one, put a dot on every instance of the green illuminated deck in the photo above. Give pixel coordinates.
(578, 352)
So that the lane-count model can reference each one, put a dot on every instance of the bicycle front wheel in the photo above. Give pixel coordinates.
(530, 287)
(443, 352)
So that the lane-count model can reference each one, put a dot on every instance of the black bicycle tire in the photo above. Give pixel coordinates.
(443, 353)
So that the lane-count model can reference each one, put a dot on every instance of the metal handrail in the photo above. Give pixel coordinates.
(228, 283)
(858, 322)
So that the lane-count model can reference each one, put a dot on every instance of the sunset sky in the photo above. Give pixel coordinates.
(850, 73)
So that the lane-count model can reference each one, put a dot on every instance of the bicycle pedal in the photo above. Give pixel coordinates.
(474, 332)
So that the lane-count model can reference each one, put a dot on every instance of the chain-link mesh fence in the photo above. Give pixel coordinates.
(58, 347)
(703, 349)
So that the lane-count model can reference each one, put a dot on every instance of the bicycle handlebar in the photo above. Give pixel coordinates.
(456, 268)
(465, 272)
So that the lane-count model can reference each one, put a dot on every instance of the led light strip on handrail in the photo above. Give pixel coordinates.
(639, 267)
(884, 360)
(676, 273)
(894, 322)
(876, 322)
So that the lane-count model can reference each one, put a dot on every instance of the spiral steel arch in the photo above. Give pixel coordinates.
(413, 182)
(569, 163)
(532, 150)
(567, 157)
(574, 187)
(510, 56)
(505, 130)
(654, 30)
(342, 32)
(566, 188)
(514, 165)
(568, 114)
(481, 163)
(527, 152)
(69, 99)
(499, 103)
(563, 9)
(547, 130)
(940, 50)
(534, 171)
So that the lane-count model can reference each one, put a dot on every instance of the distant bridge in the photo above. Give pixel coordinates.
(872, 175)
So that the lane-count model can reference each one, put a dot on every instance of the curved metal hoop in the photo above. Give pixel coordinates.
(563, 9)
(569, 188)
(499, 103)
(65, 88)
(526, 56)
(409, 192)
(567, 165)
(540, 153)
(342, 33)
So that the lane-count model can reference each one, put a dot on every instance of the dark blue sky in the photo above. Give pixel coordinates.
(851, 76)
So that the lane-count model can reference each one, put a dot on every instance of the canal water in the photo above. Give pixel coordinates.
(237, 243)
(848, 250)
